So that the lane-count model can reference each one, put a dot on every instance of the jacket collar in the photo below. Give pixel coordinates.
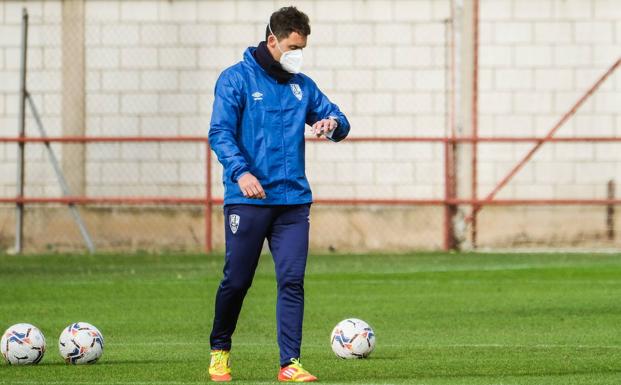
(260, 57)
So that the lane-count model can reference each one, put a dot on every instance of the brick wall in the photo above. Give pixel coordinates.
(151, 67)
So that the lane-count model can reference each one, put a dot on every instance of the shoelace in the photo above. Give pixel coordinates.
(296, 361)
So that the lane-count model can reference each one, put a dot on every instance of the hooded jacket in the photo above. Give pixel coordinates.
(257, 126)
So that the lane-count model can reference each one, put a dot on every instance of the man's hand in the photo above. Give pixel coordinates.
(323, 126)
(250, 186)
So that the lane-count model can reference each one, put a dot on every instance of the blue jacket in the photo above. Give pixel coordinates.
(257, 126)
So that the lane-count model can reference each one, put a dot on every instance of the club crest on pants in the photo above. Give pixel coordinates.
(234, 222)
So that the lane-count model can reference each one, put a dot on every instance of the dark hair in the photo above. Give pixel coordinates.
(287, 20)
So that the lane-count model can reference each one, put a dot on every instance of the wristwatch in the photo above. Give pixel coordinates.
(335, 120)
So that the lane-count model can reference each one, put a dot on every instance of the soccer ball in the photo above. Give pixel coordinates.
(352, 338)
(22, 344)
(81, 343)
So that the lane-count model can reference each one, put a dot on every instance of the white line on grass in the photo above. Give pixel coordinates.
(471, 281)
(421, 270)
(537, 346)
(488, 267)
(443, 346)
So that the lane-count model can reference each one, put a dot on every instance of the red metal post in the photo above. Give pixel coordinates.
(452, 144)
(449, 209)
(21, 150)
(475, 121)
(447, 229)
(327, 201)
(610, 212)
(384, 139)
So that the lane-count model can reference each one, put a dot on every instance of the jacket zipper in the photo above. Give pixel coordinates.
(284, 147)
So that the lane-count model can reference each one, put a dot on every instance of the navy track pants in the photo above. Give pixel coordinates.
(246, 228)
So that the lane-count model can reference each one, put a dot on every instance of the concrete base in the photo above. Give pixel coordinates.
(333, 229)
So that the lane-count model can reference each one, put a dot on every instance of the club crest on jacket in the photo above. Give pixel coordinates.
(297, 91)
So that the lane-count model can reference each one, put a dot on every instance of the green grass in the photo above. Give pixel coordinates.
(439, 318)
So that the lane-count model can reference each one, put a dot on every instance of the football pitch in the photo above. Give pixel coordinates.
(439, 318)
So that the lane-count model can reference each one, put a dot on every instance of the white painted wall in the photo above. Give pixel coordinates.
(537, 59)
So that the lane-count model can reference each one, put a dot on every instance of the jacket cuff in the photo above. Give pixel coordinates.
(238, 174)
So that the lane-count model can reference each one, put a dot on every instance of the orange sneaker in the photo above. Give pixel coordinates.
(295, 373)
(220, 366)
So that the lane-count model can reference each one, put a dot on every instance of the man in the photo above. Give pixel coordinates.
(257, 131)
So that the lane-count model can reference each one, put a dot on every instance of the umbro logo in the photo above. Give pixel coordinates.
(257, 96)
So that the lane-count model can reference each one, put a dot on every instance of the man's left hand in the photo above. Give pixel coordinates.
(323, 126)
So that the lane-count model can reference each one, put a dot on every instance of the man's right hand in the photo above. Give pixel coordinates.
(250, 186)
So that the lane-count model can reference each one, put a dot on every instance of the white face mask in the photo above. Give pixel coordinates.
(291, 61)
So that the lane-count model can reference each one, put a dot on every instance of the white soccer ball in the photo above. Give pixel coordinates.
(22, 344)
(352, 338)
(81, 343)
